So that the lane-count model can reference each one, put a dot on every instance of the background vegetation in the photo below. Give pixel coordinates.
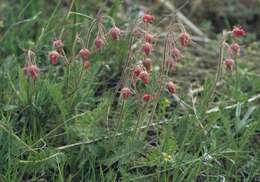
(54, 132)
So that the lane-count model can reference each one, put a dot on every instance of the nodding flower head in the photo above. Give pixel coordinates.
(234, 49)
(147, 97)
(229, 63)
(137, 70)
(176, 54)
(148, 38)
(171, 63)
(31, 70)
(99, 42)
(147, 48)
(54, 56)
(115, 33)
(144, 76)
(147, 18)
(125, 93)
(184, 39)
(238, 31)
(58, 44)
(147, 62)
(86, 64)
(171, 87)
(84, 53)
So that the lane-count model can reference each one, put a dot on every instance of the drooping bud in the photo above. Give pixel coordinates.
(171, 64)
(147, 48)
(144, 76)
(54, 56)
(238, 31)
(229, 63)
(115, 33)
(58, 44)
(99, 42)
(184, 39)
(125, 93)
(32, 71)
(171, 87)
(147, 18)
(176, 54)
(84, 53)
(148, 38)
(137, 70)
(234, 49)
(86, 64)
(147, 62)
(147, 97)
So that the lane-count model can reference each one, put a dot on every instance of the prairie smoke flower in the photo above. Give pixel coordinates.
(147, 48)
(99, 42)
(176, 54)
(234, 49)
(238, 31)
(86, 64)
(115, 33)
(144, 76)
(147, 18)
(147, 97)
(148, 38)
(171, 64)
(31, 70)
(229, 63)
(137, 70)
(125, 93)
(58, 44)
(54, 56)
(184, 39)
(147, 62)
(171, 87)
(84, 53)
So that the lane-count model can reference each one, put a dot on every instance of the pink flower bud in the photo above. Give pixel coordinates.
(144, 76)
(86, 64)
(171, 64)
(176, 54)
(84, 53)
(32, 71)
(171, 87)
(99, 42)
(137, 70)
(115, 33)
(147, 18)
(148, 38)
(147, 48)
(58, 44)
(147, 64)
(147, 97)
(238, 31)
(54, 56)
(229, 63)
(125, 93)
(184, 39)
(234, 49)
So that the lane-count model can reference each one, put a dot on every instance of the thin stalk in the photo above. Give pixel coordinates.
(158, 95)
(219, 70)
(119, 122)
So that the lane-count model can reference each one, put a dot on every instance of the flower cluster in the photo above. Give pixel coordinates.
(141, 72)
(234, 48)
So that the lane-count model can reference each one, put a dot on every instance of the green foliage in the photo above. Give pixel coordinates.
(69, 125)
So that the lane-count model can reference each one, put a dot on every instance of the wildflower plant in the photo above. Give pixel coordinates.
(104, 102)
